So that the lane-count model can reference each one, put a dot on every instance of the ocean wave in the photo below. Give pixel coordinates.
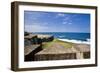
(61, 36)
(88, 40)
(76, 41)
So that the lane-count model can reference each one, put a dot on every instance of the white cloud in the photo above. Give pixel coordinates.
(64, 22)
(69, 23)
(66, 18)
(60, 14)
(35, 28)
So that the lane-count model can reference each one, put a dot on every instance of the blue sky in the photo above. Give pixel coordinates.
(36, 21)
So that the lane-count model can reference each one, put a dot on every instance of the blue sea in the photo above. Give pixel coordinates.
(67, 35)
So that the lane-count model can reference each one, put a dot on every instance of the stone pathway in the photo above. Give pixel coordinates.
(57, 51)
(57, 48)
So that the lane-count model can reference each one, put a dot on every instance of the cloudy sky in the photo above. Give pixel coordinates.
(36, 21)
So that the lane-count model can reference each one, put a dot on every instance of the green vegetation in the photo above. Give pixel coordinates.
(65, 44)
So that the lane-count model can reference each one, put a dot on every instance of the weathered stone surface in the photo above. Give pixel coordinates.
(57, 49)
(30, 51)
(46, 38)
(84, 49)
(37, 39)
(59, 52)
(56, 52)
(63, 56)
(30, 36)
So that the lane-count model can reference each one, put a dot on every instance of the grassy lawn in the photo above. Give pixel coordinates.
(65, 44)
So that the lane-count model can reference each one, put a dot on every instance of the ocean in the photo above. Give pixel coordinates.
(67, 35)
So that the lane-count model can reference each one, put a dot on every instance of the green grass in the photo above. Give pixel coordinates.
(65, 44)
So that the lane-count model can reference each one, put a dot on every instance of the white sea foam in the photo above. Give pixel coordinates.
(61, 36)
(76, 41)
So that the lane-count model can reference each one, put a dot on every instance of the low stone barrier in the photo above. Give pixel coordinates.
(43, 57)
(30, 51)
(84, 49)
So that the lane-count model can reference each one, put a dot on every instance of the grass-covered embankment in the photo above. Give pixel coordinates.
(64, 44)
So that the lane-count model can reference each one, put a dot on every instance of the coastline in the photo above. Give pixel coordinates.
(50, 48)
(75, 41)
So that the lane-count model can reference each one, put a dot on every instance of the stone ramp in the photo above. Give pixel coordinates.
(56, 52)
(57, 48)
(59, 52)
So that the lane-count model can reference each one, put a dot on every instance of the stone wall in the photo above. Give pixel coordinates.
(31, 55)
(43, 57)
(34, 39)
(86, 55)
(47, 39)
